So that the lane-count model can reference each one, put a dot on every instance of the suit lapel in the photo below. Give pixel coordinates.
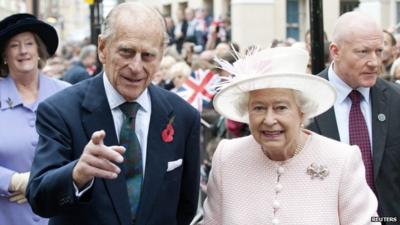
(379, 98)
(326, 122)
(158, 153)
(97, 116)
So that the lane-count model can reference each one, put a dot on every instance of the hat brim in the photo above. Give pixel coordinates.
(228, 101)
(46, 32)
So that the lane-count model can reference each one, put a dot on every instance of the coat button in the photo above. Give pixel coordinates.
(276, 204)
(281, 170)
(278, 187)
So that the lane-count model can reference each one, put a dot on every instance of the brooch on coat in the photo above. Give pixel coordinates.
(10, 102)
(317, 171)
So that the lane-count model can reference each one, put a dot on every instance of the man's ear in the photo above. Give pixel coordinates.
(101, 48)
(334, 50)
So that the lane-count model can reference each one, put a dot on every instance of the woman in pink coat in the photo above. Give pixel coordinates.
(283, 173)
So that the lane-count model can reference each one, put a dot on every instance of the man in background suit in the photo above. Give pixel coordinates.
(79, 171)
(356, 50)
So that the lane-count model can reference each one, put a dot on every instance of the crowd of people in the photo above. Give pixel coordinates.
(169, 122)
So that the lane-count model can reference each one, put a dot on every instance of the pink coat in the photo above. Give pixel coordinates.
(242, 186)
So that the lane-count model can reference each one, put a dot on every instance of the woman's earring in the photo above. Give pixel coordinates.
(5, 62)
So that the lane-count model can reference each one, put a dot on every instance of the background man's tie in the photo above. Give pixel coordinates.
(358, 132)
(133, 154)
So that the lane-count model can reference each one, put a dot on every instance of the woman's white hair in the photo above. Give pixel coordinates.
(306, 105)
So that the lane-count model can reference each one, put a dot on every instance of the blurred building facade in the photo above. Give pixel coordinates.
(71, 18)
(253, 21)
(8, 7)
(261, 21)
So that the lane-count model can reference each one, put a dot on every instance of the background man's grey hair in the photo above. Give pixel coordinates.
(87, 51)
(108, 28)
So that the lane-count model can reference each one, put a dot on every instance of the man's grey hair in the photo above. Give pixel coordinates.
(109, 22)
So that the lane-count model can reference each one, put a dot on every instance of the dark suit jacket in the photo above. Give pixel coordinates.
(77, 72)
(385, 98)
(65, 123)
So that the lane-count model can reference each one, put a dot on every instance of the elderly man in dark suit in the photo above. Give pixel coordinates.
(372, 121)
(115, 149)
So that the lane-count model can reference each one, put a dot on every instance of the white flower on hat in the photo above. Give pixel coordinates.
(251, 63)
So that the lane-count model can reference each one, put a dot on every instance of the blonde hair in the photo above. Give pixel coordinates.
(179, 68)
(166, 63)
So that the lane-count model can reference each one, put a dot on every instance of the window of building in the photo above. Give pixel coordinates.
(348, 5)
(166, 10)
(292, 19)
(397, 17)
(182, 6)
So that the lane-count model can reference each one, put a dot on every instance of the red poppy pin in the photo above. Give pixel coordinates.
(168, 133)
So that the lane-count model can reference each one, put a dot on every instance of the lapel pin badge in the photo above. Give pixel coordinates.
(381, 117)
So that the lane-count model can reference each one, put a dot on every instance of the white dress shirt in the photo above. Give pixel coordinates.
(342, 106)
(142, 121)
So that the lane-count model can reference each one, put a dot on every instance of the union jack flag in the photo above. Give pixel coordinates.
(200, 88)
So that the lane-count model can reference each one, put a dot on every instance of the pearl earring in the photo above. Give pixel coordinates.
(5, 62)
